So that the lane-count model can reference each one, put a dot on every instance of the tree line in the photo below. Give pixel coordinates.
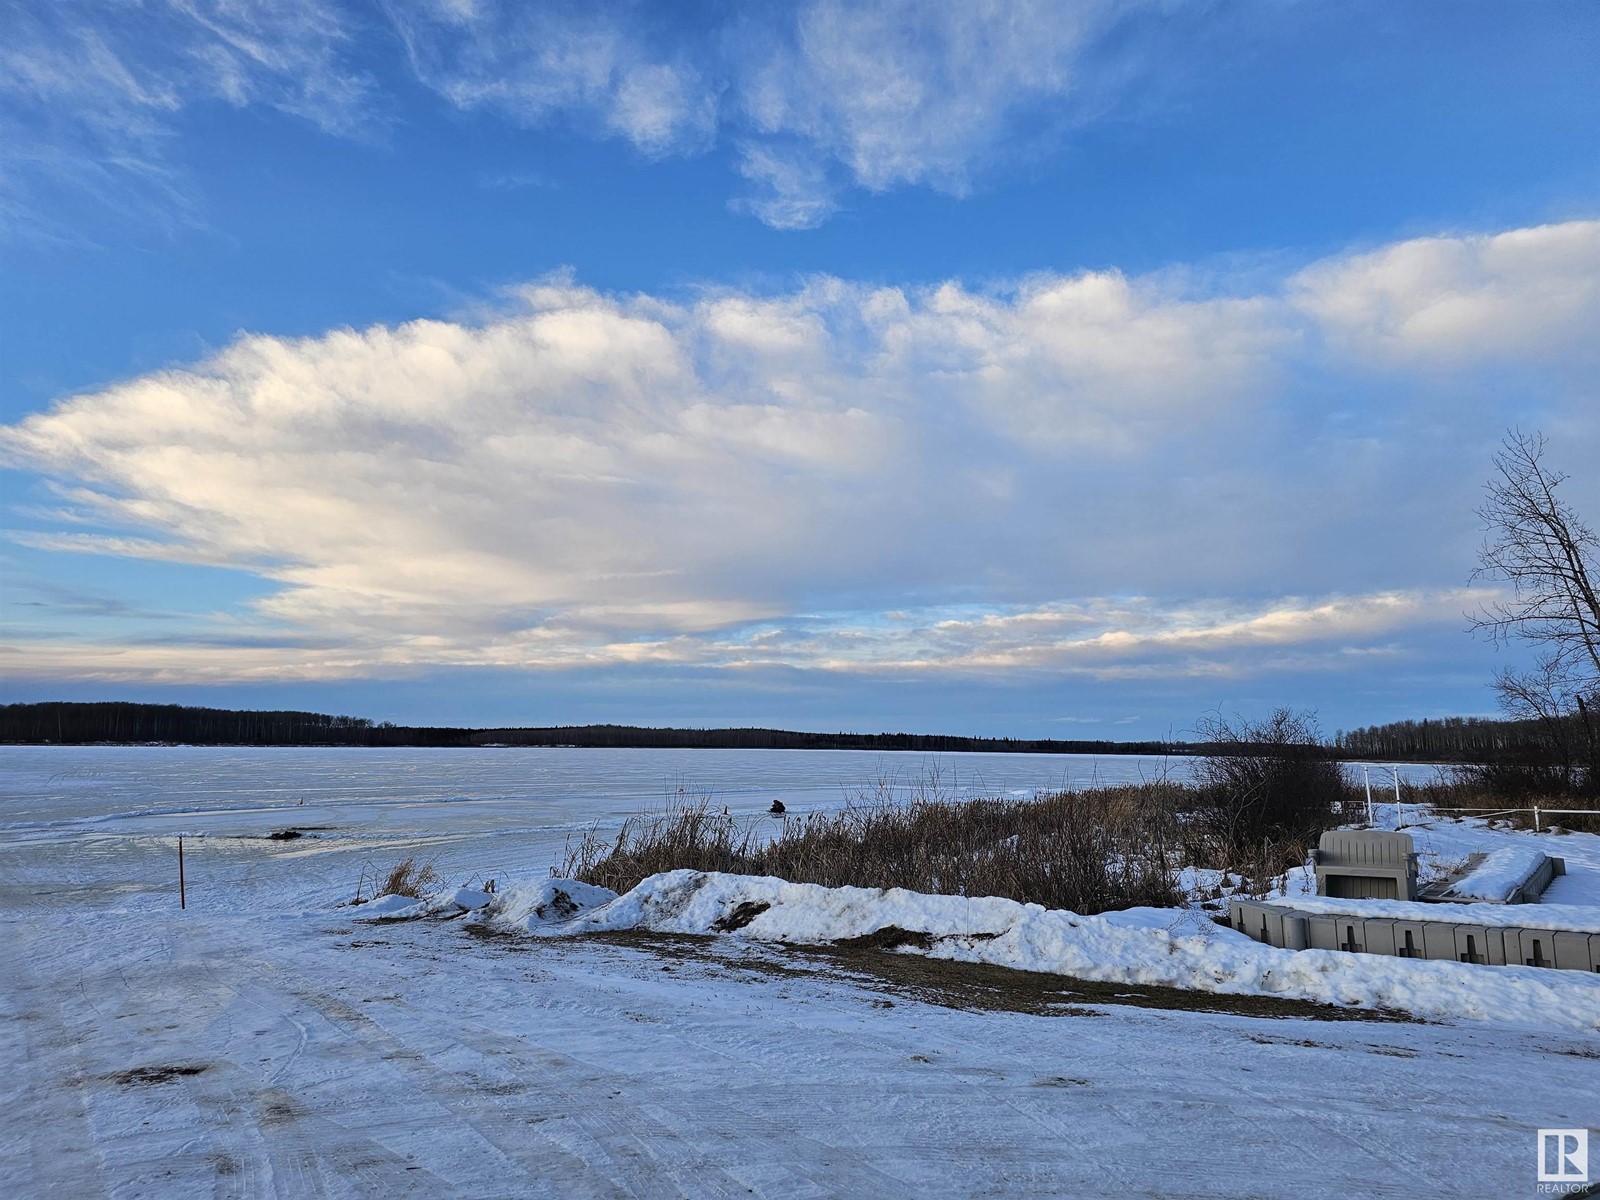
(77, 724)
(1453, 739)
(1447, 739)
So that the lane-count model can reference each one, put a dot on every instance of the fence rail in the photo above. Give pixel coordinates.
(1539, 812)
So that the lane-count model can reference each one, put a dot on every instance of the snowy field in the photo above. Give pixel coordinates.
(268, 1042)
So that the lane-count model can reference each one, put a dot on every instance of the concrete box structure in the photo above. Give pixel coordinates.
(1544, 869)
(1278, 924)
(1270, 924)
(1366, 864)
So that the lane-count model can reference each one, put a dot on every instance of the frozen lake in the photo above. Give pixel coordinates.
(97, 821)
(231, 790)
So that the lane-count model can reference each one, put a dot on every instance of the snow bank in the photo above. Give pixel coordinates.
(451, 902)
(1141, 946)
(390, 907)
(530, 907)
(1578, 918)
(1499, 875)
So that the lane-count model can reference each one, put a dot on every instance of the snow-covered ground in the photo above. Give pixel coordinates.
(268, 1042)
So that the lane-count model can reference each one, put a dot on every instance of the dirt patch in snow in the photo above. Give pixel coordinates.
(890, 937)
(150, 1076)
(975, 987)
(741, 916)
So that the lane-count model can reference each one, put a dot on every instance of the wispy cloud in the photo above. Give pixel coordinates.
(1041, 477)
(810, 99)
(816, 96)
(92, 95)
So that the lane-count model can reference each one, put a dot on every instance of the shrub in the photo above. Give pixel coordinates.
(1268, 790)
(409, 878)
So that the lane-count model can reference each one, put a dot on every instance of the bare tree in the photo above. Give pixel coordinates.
(1540, 546)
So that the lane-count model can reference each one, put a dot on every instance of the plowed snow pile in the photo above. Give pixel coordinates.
(1141, 946)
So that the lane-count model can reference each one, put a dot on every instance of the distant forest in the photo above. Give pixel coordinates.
(76, 724)
(1459, 739)
(1453, 739)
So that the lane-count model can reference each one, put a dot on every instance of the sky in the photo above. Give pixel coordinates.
(1036, 369)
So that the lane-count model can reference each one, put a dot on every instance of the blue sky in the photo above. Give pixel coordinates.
(1044, 369)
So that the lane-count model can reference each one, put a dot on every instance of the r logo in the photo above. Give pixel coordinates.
(1563, 1156)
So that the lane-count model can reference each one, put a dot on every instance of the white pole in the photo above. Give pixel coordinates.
(1398, 807)
(1366, 774)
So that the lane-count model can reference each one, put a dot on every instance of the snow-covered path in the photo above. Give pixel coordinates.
(326, 1057)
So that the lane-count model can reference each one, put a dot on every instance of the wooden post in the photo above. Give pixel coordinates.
(183, 899)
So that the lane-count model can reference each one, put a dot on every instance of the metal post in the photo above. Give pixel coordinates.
(1399, 808)
(183, 899)
(1536, 821)
(1366, 774)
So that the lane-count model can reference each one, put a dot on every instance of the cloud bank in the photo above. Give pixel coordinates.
(1040, 477)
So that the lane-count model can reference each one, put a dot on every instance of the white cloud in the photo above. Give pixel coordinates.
(949, 472)
(899, 92)
(537, 62)
(878, 94)
(1462, 300)
(1091, 360)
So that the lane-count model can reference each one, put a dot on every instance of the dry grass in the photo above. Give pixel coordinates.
(408, 877)
(1086, 851)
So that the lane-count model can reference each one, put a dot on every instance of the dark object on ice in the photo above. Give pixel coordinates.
(285, 835)
(778, 808)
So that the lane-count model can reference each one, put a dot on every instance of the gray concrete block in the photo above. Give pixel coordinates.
(1381, 938)
(1322, 932)
(1497, 948)
(1439, 941)
(1536, 948)
(1256, 919)
(1472, 944)
(1571, 951)
(1295, 934)
(1408, 939)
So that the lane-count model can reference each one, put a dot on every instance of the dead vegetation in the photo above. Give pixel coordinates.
(1087, 851)
(408, 877)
